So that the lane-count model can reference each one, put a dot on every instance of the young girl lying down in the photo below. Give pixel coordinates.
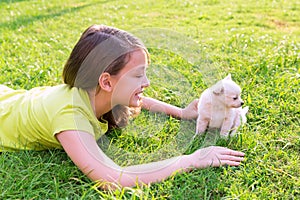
(104, 79)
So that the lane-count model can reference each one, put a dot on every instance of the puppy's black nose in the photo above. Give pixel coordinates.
(242, 103)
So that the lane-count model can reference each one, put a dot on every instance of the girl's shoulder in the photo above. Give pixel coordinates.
(62, 94)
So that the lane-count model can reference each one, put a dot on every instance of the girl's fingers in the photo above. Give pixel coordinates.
(231, 163)
(218, 156)
(218, 163)
(237, 153)
(230, 158)
(232, 152)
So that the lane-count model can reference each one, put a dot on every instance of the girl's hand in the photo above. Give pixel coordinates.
(191, 111)
(215, 156)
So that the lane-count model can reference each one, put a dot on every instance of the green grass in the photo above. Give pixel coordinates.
(256, 41)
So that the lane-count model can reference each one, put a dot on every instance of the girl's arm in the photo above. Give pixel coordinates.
(83, 150)
(153, 105)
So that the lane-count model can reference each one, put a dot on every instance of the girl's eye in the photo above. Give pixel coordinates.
(235, 98)
(139, 76)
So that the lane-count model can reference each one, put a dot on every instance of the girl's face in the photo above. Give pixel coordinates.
(131, 81)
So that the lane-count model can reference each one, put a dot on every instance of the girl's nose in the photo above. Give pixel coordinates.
(146, 82)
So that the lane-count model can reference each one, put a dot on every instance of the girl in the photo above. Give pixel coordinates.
(104, 77)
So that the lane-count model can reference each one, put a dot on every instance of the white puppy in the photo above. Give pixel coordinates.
(220, 107)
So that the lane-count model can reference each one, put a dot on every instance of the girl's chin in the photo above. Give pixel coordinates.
(136, 104)
(136, 101)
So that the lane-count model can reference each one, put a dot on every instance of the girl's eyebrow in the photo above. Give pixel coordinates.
(141, 68)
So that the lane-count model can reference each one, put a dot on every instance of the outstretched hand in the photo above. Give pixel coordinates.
(191, 111)
(215, 156)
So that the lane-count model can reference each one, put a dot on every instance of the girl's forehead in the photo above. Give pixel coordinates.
(138, 60)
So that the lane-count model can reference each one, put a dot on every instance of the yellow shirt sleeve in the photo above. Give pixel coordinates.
(71, 119)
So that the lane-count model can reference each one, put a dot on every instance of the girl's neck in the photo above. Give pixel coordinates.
(101, 103)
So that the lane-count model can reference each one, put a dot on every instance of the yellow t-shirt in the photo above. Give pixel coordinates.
(29, 119)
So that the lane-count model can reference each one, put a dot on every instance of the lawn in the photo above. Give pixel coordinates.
(192, 45)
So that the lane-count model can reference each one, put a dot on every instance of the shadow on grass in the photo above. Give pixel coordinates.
(26, 20)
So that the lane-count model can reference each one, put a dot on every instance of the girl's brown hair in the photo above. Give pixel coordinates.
(101, 49)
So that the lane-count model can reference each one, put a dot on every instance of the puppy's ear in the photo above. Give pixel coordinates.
(218, 89)
(228, 77)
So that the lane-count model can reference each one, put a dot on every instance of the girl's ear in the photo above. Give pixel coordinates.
(105, 82)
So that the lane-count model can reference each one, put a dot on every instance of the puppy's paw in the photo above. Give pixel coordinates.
(201, 126)
(200, 130)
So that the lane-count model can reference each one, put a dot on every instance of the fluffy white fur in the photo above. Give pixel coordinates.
(220, 107)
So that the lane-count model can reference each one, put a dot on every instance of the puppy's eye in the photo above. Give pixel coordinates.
(235, 98)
